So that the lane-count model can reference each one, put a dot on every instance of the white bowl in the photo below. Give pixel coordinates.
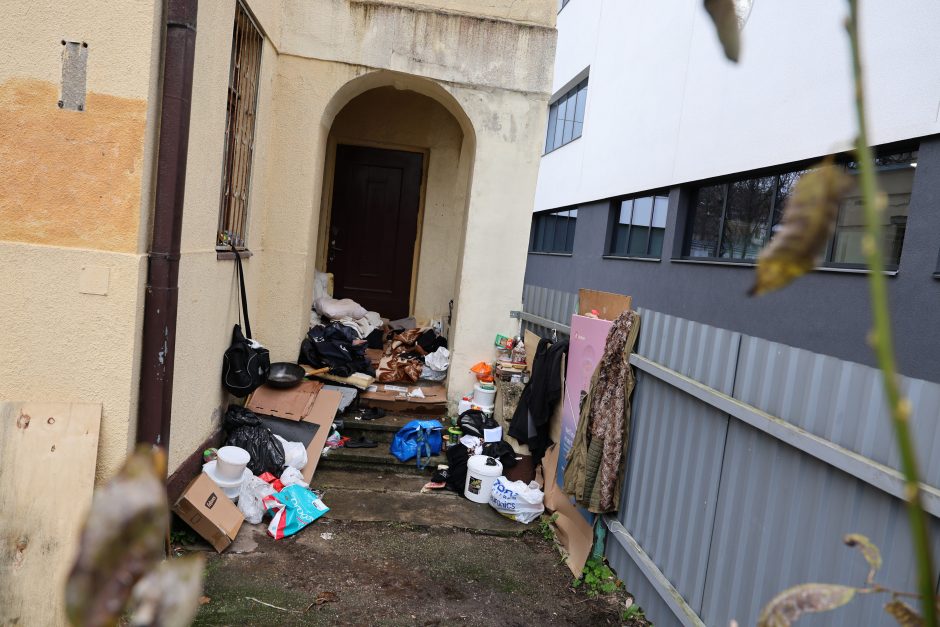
(232, 461)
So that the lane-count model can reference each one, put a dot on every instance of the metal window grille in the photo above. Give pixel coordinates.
(241, 113)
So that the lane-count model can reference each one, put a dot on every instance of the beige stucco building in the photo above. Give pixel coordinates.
(464, 84)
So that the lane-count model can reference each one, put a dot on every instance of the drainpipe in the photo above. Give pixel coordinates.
(160, 301)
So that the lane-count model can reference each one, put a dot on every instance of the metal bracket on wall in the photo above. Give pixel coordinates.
(540, 321)
(74, 69)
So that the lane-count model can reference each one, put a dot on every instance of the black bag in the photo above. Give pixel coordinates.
(246, 363)
(245, 430)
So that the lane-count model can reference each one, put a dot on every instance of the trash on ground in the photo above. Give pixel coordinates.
(204, 507)
(517, 500)
(292, 509)
(419, 439)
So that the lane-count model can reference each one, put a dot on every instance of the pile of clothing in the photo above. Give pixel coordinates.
(367, 325)
(335, 346)
(404, 358)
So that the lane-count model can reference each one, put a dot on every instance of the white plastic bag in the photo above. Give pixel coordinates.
(252, 490)
(292, 476)
(295, 453)
(516, 500)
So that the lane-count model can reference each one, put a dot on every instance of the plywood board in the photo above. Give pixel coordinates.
(607, 304)
(48, 453)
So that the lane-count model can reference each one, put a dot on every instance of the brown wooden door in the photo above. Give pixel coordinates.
(373, 227)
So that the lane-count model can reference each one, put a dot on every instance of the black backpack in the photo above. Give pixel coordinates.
(246, 363)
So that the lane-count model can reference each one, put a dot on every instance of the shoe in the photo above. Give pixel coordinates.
(361, 442)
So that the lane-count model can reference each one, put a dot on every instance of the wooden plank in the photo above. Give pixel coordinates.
(48, 453)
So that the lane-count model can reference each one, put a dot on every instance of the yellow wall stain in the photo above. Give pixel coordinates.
(70, 178)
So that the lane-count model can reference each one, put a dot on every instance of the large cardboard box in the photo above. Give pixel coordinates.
(204, 507)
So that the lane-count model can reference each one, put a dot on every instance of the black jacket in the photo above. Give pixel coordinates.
(530, 422)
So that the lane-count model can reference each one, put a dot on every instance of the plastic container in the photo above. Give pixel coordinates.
(232, 461)
(484, 395)
(230, 487)
(482, 472)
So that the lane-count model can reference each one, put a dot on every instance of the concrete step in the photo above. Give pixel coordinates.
(379, 430)
(375, 457)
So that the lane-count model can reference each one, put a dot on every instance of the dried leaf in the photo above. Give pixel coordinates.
(904, 614)
(122, 539)
(869, 551)
(807, 598)
(807, 224)
(169, 595)
(725, 17)
(204, 600)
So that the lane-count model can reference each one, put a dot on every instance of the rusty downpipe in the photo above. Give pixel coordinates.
(162, 294)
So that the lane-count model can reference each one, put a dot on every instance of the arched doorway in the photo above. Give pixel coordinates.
(394, 202)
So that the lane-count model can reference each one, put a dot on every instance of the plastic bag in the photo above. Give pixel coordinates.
(292, 476)
(295, 453)
(292, 509)
(250, 495)
(516, 500)
(483, 371)
(439, 360)
(246, 431)
(502, 451)
(419, 439)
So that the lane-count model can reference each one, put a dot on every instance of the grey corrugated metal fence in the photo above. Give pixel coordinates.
(749, 461)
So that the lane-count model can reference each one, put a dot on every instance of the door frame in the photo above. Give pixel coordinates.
(326, 202)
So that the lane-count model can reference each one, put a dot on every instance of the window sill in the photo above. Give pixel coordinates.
(750, 264)
(532, 252)
(227, 255)
(632, 258)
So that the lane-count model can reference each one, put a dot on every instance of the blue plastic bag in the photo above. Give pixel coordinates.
(293, 508)
(419, 439)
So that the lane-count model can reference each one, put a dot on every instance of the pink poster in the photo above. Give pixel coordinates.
(585, 349)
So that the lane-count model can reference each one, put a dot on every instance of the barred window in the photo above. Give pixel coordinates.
(239, 129)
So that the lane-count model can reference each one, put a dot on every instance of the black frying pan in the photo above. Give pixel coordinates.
(284, 374)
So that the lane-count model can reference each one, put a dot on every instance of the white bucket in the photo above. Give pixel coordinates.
(232, 461)
(484, 396)
(230, 487)
(482, 472)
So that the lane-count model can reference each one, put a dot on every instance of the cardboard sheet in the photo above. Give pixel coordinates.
(204, 507)
(290, 404)
(607, 304)
(575, 534)
(308, 403)
(395, 397)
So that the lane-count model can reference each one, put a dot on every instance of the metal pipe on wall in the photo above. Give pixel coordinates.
(162, 293)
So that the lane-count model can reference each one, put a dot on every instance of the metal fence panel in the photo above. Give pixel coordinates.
(635, 582)
(839, 400)
(731, 515)
(671, 487)
(780, 521)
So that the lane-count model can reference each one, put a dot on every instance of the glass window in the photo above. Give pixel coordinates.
(566, 117)
(734, 220)
(706, 220)
(639, 227)
(553, 232)
(746, 216)
(896, 179)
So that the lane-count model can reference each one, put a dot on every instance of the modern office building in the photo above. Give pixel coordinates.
(665, 171)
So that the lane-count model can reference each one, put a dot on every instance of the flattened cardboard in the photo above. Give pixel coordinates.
(204, 507)
(391, 397)
(607, 304)
(575, 534)
(322, 414)
(291, 404)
